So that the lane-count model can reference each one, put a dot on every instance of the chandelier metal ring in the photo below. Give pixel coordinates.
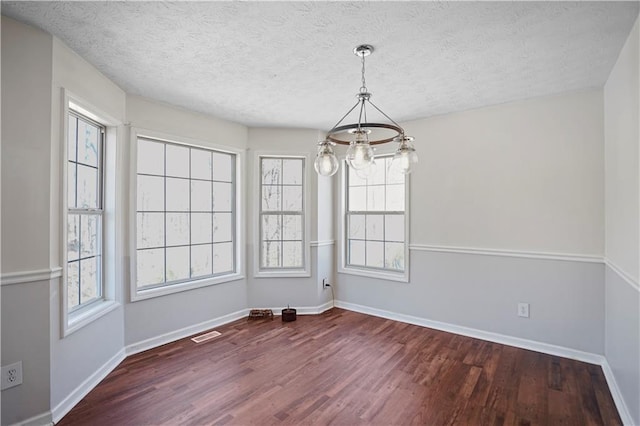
(355, 126)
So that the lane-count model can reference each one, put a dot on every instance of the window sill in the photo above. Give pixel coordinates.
(381, 275)
(294, 273)
(143, 294)
(83, 317)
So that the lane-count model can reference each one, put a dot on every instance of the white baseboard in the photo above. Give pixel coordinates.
(60, 410)
(478, 334)
(172, 336)
(43, 419)
(623, 410)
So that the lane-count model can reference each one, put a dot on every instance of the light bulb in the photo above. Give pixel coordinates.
(360, 153)
(326, 163)
(405, 156)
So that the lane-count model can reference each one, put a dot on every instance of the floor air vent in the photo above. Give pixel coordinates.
(207, 336)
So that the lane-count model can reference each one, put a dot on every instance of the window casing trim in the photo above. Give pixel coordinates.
(343, 267)
(258, 271)
(70, 322)
(137, 294)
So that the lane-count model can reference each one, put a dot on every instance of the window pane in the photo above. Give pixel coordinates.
(150, 230)
(222, 167)
(356, 226)
(271, 226)
(201, 228)
(71, 138)
(377, 177)
(394, 175)
(271, 198)
(150, 157)
(177, 263)
(71, 184)
(150, 193)
(177, 195)
(394, 256)
(177, 229)
(271, 171)
(222, 196)
(150, 267)
(354, 179)
(201, 164)
(358, 198)
(73, 284)
(222, 258)
(89, 235)
(375, 227)
(375, 254)
(201, 260)
(89, 279)
(375, 197)
(271, 254)
(292, 254)
(292, 171)
(200, 196)
(356, 252)
(394, 227)
(88, 143)
(292, 227)
(292, 198)
(222, 229)
(73, 237)
(177, 161)
(395, 198)
(87, 187)
(375, 239)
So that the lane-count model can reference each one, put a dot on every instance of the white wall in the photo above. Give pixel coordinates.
(294, 291)
(26, 139)
(520, 177)
(526, 175)
(622, 211)
(150, 318)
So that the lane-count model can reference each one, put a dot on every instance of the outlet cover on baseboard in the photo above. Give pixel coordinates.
(12, 375)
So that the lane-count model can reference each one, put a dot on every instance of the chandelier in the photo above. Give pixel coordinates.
(362, 135)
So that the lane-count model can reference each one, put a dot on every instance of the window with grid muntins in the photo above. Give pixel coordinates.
(185, 213)
(375, 218)
(282, 213)
(85, 177)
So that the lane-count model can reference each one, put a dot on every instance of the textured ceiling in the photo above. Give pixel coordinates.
(291, 64)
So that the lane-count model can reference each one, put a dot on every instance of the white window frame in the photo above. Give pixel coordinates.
(111, 249)
(305, 271)
(363, 271)
(142, 294)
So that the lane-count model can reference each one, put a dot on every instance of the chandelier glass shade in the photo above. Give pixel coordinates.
(362, 135)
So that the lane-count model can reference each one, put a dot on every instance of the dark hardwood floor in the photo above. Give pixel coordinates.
(345, 368)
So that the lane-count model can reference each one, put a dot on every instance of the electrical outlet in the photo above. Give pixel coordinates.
(12, 375)
(325, 283)
(523, 310)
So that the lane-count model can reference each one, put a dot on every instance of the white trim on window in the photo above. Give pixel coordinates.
(111, 222)
(304, 272)
(238, 274)
(342, 229)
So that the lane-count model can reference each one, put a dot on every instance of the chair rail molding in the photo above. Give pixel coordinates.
(22, 277)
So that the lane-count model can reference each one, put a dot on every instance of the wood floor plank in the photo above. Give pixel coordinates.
(345, 368)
